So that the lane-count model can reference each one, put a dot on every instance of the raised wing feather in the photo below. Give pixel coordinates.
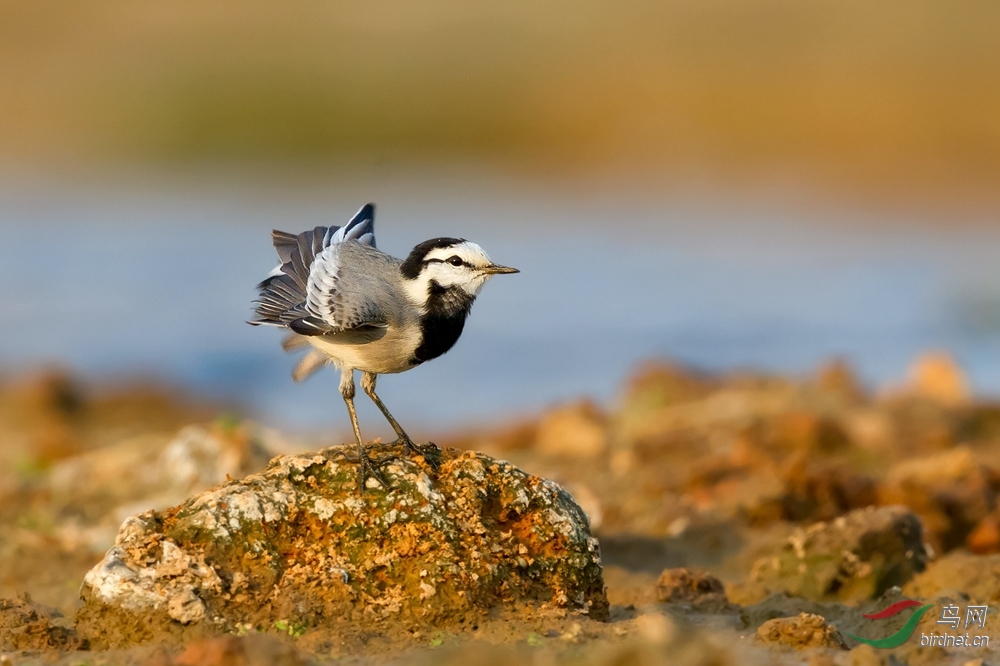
(284, 293)
(361, 228)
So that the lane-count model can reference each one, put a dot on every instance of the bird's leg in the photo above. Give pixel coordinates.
(368, 467)
(368, 384)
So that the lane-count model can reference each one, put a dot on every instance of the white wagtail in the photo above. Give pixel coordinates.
(361, 309)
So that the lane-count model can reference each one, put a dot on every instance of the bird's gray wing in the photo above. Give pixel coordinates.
(361, 228)
(284, 292)
(345, 291)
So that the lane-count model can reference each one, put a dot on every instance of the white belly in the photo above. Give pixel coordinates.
(390, 353)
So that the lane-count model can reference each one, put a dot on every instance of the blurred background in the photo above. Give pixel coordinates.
(728, 183)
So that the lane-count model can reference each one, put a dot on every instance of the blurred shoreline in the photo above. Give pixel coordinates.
(157, 278)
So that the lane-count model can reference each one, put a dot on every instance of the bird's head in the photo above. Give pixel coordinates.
(449, 264)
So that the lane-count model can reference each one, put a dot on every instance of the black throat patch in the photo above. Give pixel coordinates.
(442, 324)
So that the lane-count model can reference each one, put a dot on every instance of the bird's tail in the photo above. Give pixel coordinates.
(309, 364)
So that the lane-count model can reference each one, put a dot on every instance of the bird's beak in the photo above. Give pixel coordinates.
(494, 269)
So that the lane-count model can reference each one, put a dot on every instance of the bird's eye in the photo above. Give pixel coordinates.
(455, 260)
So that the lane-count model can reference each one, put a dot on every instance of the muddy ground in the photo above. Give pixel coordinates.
(741, 519)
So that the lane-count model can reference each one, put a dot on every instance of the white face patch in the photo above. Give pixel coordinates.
(467, 251)
(458, 265)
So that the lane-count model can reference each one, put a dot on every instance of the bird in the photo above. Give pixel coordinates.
(357, 308)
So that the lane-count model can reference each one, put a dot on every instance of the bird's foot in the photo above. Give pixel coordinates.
(371, 468)
(368, 467)
(430, 451)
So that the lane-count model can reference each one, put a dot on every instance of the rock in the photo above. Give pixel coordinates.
(803, 430)
(663, 383)
(300, 544)
(856, 556)
(25, 625)
(51, 415)
(689, 585)
(811, 491)
(775, 415)
(589, 502)
(195, 459)
(657, 399)
(803, 631)
(518, 436)
(985, 537)
(869, 428)
(936, 376)
(109, 484)
(848, 618)
(47, 407)
(572, 430)
(951, 491)
(919, 426)
(837, 379)
(655, 628)
(866, 655)
(958, 574)
(784, 605)
(979, 422)
(198, 458)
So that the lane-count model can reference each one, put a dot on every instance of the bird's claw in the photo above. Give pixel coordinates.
(372, 468)
(430, 451)
(368, 467)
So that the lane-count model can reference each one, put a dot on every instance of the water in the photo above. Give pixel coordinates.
(119, 280)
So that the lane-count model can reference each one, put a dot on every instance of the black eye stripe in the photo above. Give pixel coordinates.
(454, 261)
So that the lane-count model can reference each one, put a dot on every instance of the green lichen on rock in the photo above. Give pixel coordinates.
(851, 558)
(299, 543)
